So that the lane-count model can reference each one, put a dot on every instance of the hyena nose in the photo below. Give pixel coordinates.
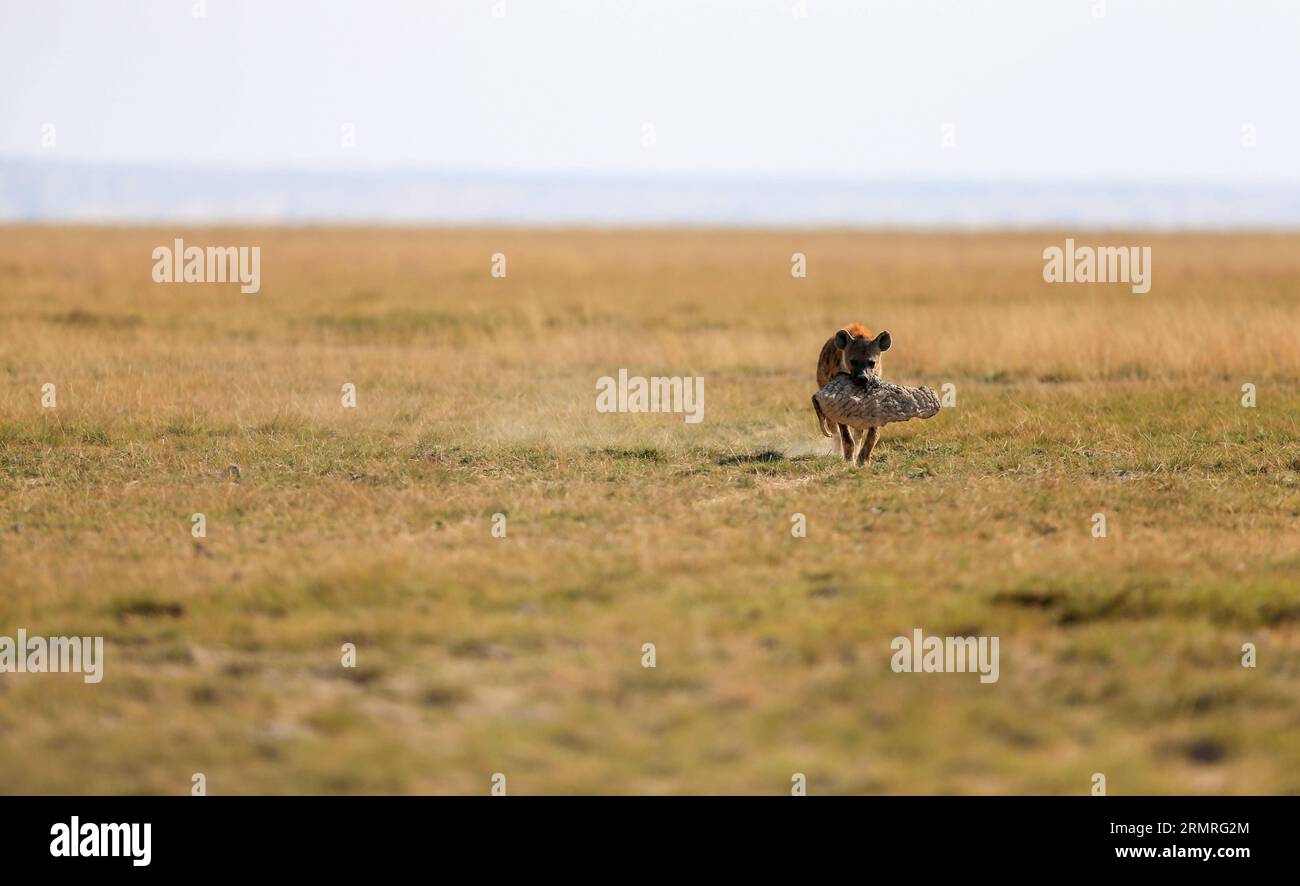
(871, 364)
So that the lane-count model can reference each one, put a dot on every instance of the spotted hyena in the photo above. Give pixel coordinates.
(853, 350)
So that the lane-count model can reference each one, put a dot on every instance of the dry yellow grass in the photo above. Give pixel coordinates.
(522, 655)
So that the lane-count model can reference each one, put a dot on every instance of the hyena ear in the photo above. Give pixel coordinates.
(842, 339)
(884, 341)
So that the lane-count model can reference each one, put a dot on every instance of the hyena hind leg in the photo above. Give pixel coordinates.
(866, 443)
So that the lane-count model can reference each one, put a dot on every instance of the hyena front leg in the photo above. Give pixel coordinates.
(866, 443)
(846, 442)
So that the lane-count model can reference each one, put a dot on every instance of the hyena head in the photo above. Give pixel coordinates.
(860, 355)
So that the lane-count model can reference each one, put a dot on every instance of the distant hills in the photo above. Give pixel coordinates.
(53, 189)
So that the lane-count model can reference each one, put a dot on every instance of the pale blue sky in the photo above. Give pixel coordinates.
(1035, 90)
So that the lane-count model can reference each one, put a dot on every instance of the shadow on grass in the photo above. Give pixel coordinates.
(767, 455)
(645, 453)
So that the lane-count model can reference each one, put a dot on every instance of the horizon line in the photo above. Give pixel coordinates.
(579, 174)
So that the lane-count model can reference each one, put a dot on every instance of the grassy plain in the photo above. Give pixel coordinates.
(522, 655)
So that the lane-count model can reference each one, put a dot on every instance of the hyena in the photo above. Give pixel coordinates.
(855, 351)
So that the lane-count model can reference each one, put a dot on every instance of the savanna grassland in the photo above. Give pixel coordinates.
(522, 655)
